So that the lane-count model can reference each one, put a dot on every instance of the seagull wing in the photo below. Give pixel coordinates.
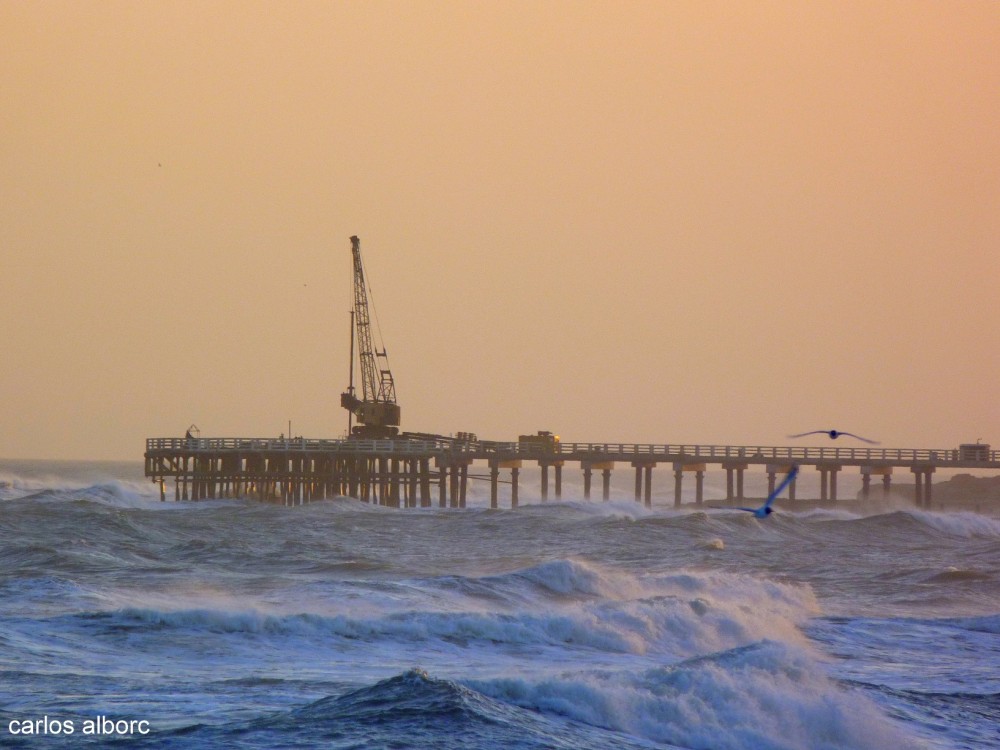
(863, 440)
(748, 510)
(813, 432)
(793, 472)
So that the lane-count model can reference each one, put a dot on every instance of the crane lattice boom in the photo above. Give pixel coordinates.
(377, 411)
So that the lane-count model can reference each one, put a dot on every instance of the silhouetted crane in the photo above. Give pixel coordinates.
(377, 411)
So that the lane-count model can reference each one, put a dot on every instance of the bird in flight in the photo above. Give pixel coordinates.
(834, 434)
(765, 510)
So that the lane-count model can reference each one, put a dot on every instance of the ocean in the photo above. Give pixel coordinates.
(127, 622)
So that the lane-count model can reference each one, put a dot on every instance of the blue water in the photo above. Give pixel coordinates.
(574, 624)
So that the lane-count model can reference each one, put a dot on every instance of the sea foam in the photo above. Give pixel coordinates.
(768, 696)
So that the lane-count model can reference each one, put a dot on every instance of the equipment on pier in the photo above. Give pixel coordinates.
(377, 411)
(974, 451)
(543, 439)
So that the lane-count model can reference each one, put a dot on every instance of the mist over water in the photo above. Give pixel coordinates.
(567, 624)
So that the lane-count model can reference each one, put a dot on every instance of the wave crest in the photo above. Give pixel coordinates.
(564, 604)
(767, 695)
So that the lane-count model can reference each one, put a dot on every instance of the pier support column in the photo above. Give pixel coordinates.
(699, 487)
(558, 472)
(453, 478)
(736, 468)
(515, 466)
(370, 481)
(300, 483)
(679, 469)
(383, 480)
(463, 484)
(454, 486)
(395, 482)
(208, 467)
(545, 480)
(643, 480)
(357, 481)
(411, 490)
(772, 471)
(866, 479)
(425, 483)
(354, 480)
(442, 483)
(494, 484)
(368, 475)
(922, 486)
(605, 468)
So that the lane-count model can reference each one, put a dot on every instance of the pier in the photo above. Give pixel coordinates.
(378, 464)
(408, 473)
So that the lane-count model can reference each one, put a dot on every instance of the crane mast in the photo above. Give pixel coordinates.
(377, 411)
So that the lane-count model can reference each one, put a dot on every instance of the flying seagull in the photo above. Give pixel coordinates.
(834, 434)
(765, 510)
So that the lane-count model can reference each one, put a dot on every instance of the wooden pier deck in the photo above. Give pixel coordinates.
(401, 473)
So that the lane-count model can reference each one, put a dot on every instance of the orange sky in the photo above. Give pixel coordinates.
(648, 222)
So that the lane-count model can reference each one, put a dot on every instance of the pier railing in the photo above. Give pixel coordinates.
(772, 453)
(293, 444)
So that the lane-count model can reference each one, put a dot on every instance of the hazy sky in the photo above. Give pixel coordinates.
(646, 222)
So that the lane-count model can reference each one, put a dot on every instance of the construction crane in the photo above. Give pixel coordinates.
(377, 411)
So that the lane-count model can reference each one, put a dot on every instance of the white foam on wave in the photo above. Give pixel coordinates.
(827, 514)
(769, 696)
(118, 493)
(678, 614)
(14, 486)
(572, 577)
(564, 604)
(963, 523)
(611, 509)
(726, 610)
(410, 627)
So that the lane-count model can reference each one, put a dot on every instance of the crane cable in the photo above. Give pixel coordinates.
(378, 324)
